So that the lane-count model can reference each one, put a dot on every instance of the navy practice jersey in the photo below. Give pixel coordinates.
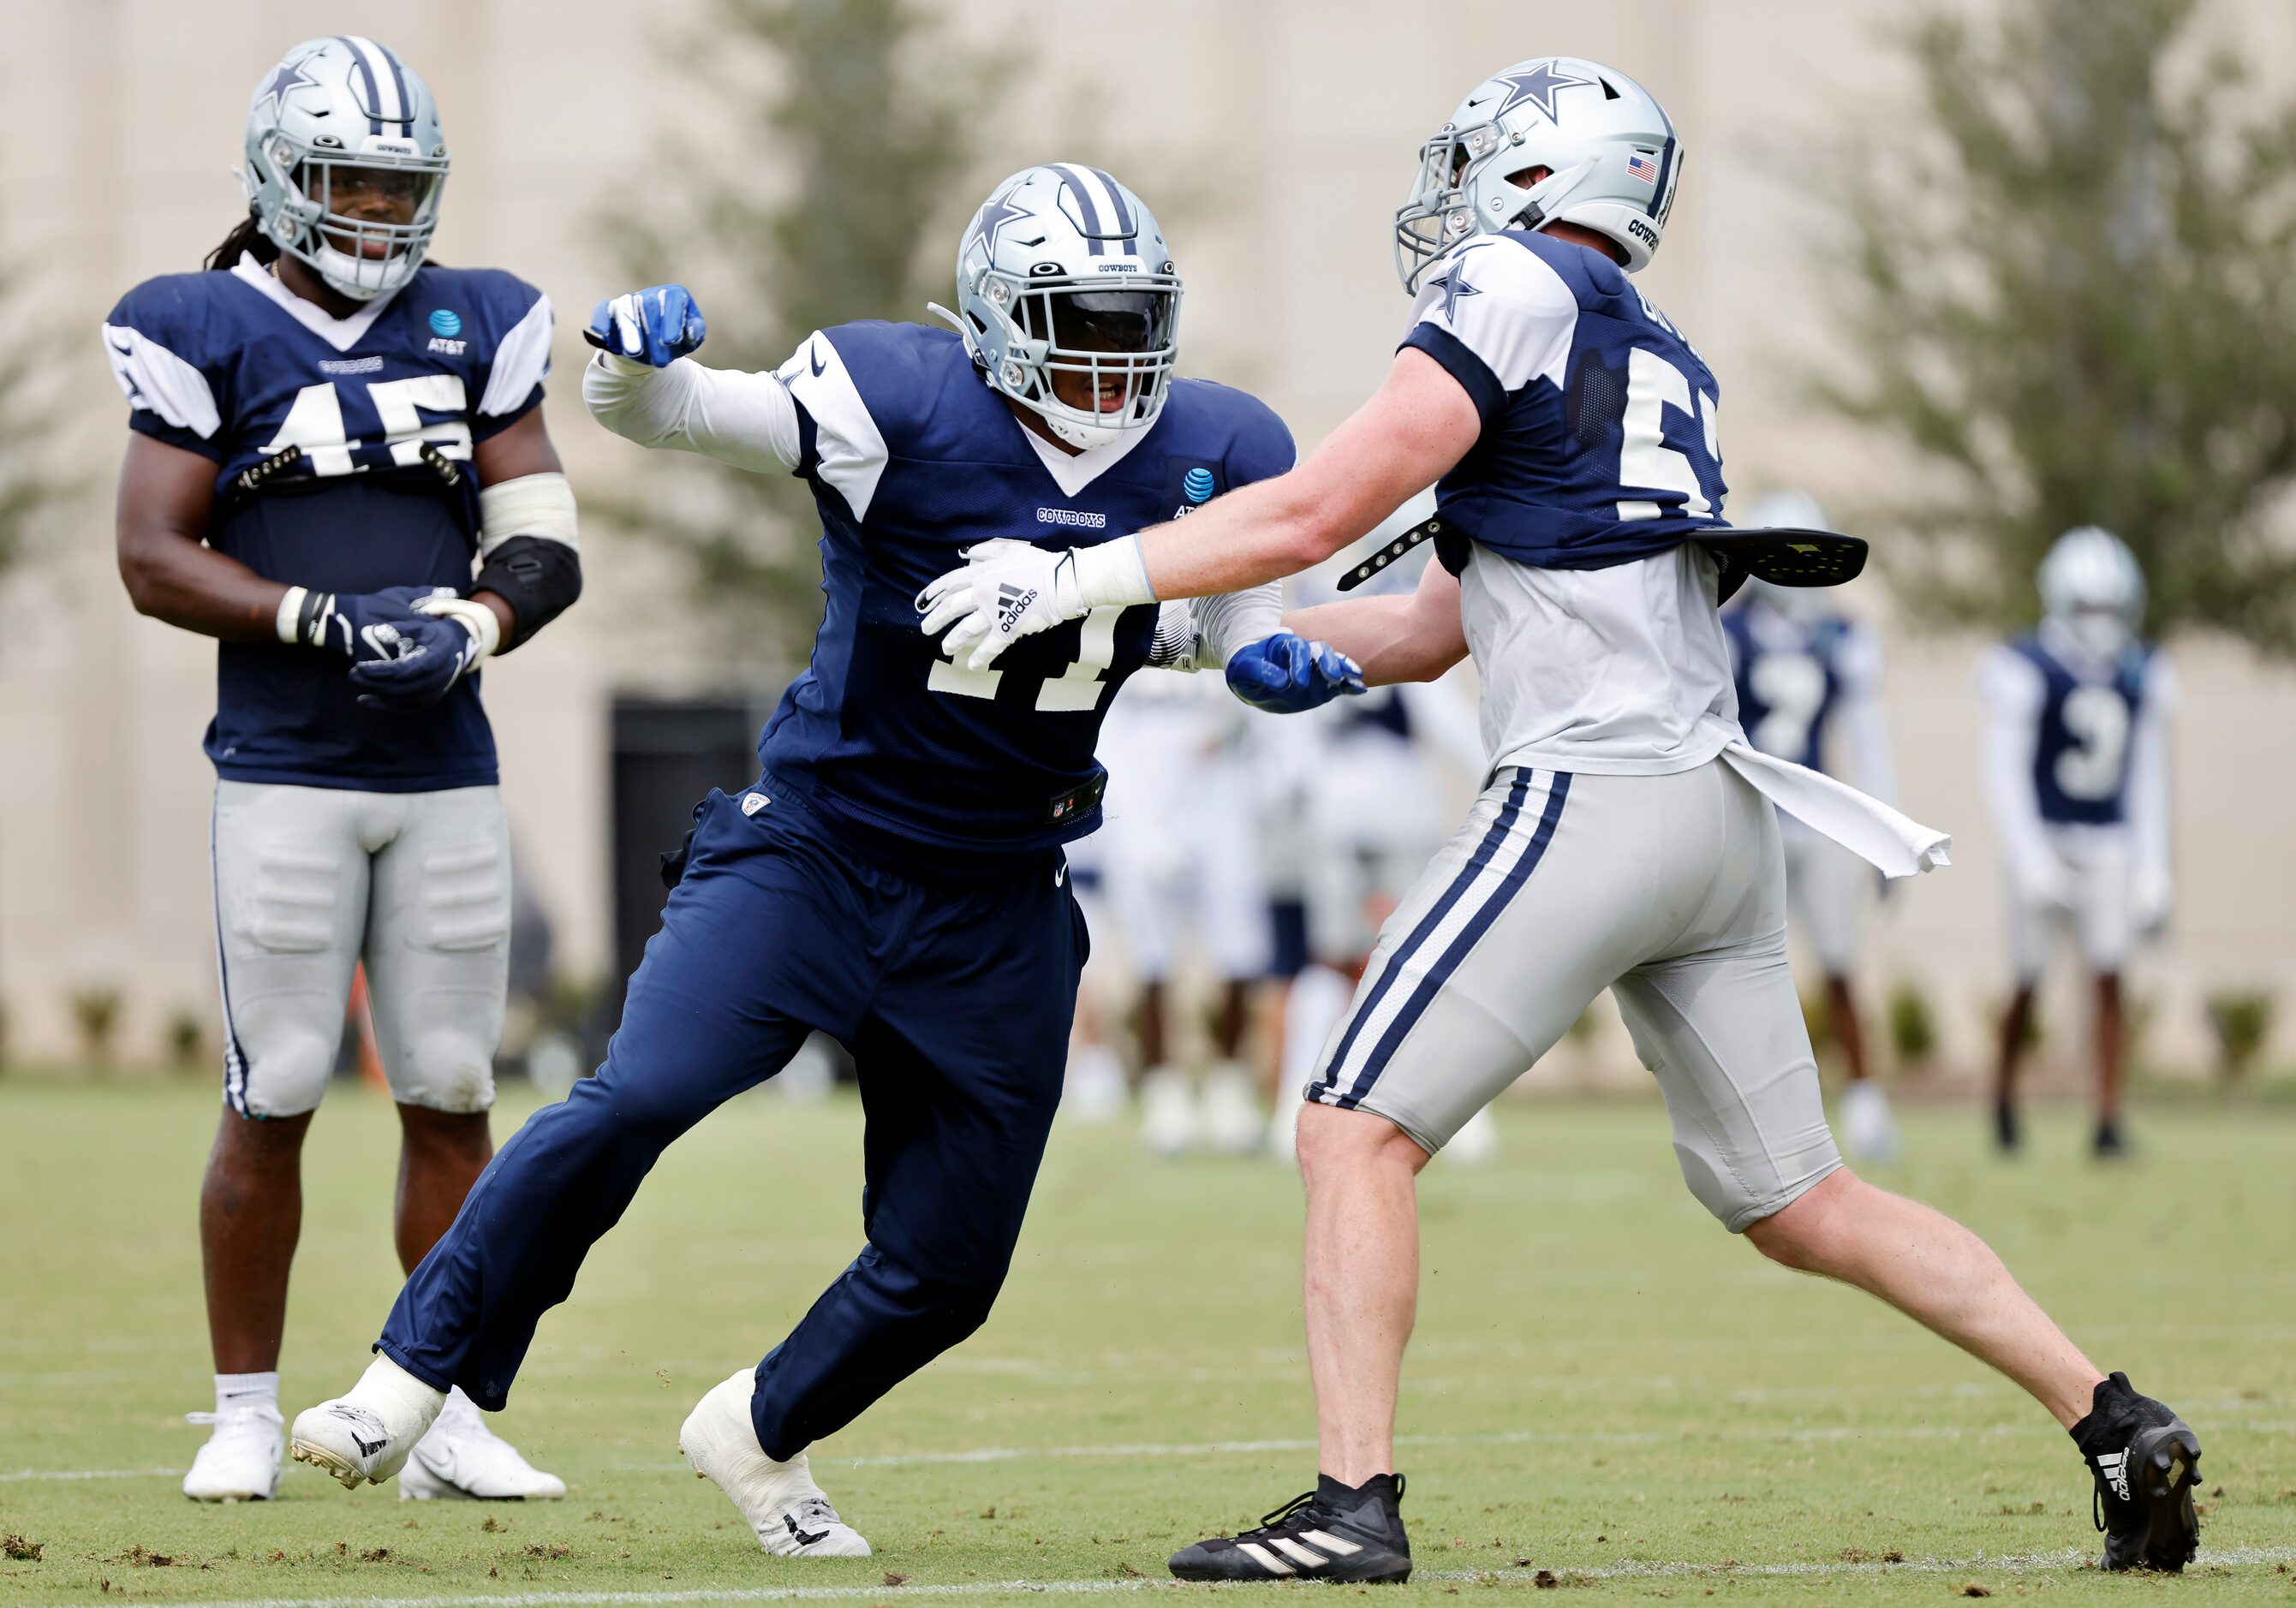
(1598, 443)
(342, 453)
(912, 459)
(1789, 678)
(2082, 748)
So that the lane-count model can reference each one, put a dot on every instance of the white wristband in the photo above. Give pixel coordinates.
(291, 614)
(1114, 575)
(481, 622)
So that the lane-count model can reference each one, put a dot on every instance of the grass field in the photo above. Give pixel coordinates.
(1606, 1392)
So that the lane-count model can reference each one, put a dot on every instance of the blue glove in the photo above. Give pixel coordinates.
(657, 325)
(1285, 673)
(401, 658)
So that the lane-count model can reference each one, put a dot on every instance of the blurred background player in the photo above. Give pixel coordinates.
(1809, 690)
(2076, 771)
(328, 431)
(1363, 788)
(1178, 861)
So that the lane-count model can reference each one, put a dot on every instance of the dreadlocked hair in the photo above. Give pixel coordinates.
(249, 239)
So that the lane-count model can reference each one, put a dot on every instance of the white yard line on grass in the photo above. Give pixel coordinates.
(90, 1473)
(2237, 1557)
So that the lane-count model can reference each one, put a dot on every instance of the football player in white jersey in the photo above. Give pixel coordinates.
(2076, 768)
(1627, 838)
(1809, 690)
(1174, 869)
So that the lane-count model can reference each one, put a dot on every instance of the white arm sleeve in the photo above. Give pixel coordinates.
(1232, 621)
(745, 420)
(2009, 692)
(2148, 771)
(1874, 771)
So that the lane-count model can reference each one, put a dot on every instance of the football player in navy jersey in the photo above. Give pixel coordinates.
(1809, 690)
(1626, 838)
(894, 878)
(2075, 769)
(330, 433)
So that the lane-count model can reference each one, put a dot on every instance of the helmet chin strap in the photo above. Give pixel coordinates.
(395, 272)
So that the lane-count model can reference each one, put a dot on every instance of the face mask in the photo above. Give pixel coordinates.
(2101, 634)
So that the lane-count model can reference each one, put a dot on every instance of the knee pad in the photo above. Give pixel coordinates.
(280, 1073)
(447, 1068)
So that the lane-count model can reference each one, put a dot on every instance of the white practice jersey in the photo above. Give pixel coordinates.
(1591, 619)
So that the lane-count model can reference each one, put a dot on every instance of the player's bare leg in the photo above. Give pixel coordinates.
(1847, 1026)
(2016, 1032)
(1362, 1281)
(1231, 1100)
(1936, 1272)
(250, 1216)
(1168, 1118)
(2111, 1062)
(441, 1154)
(1867, 1126)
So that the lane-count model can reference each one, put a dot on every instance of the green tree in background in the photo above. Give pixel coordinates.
(2070, 289)
(831, 191)
(28, 485)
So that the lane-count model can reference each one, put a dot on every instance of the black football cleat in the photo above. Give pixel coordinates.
(2006, 1134)
(2147, 1461)
(2110, 1145)
(1330, 1533)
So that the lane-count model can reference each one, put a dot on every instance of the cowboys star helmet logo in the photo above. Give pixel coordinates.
(1537, 87)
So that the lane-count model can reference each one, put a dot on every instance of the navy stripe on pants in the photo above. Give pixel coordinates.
(956, 1002)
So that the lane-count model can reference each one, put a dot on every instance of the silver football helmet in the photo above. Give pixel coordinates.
(1788, 510)
(2092, 586)
(1612, 153)
(342, 120)
(1063, 275)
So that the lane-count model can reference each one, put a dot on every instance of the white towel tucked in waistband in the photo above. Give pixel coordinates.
(1897, 844)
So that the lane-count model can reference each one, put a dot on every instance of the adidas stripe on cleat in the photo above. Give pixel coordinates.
(1331, 1533)
(2145, 1461)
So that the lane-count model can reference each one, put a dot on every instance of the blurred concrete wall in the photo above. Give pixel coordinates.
(1275, 135)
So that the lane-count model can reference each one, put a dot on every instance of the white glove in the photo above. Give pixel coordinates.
(1007, 590)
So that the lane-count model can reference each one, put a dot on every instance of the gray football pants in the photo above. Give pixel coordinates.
(310, 880)
(1669, 891)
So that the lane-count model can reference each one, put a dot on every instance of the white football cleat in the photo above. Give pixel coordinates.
(461, 1459)
(366, 1436)
(1167, 1111)
(1866, 1122)
(1231, 1110)
(241, 1461)
(1477, 1142)
(790, 1516)
(1093, 1090)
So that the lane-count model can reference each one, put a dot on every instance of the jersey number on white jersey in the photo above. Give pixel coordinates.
(1653, 385)
(2097, 720)
(314, 422)
(1076, 688)
(1792, 686)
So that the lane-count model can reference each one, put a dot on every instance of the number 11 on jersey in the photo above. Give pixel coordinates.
(1076, 688)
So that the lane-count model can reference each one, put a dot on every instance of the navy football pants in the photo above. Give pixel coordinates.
(956, 1001)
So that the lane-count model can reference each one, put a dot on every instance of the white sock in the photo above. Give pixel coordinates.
(404, 1403)
(236, 1392)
